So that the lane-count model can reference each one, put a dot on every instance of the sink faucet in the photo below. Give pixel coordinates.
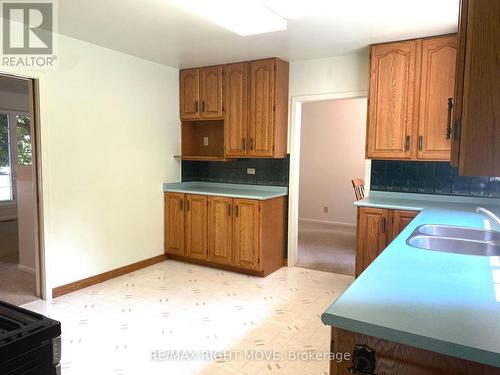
(488, 213)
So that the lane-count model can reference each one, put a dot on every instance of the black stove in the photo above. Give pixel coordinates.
(30, 343)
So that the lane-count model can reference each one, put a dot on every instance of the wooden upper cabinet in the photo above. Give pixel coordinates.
(261, 127)
(408, 113)
(236, 113)
(246, 234)
(211, 92)
(459, 82)
(250, 100)
(190, 94)
(477, 98)
(391, 107)
(220, 229)
(400, 219)
(437, 86)
(201, 93)
(174, 223)
(196, 226)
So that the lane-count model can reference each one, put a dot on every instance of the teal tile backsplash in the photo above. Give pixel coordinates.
(429, 178)
(267, 171)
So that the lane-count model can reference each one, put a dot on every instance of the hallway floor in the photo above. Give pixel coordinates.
(16, 286)
(327, 247)
(120, 324)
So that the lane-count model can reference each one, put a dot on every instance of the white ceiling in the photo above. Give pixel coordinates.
(158, 30)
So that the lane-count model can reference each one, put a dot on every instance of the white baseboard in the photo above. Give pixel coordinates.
(338, 224)
(25, 268)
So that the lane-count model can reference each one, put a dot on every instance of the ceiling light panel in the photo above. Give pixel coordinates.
(244, 17)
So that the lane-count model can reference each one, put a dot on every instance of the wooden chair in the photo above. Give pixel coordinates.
(359, 188)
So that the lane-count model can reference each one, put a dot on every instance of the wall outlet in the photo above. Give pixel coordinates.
(250, 170)
(205, 141)
(325, 209)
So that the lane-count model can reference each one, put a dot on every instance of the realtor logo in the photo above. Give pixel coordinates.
(28, 33)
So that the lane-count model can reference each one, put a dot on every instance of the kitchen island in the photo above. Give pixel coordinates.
(440, 304)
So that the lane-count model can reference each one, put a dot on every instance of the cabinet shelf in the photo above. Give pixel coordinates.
(209, 158)
(203, 140)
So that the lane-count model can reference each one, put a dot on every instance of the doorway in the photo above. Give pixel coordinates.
(327, 142)
(19, 271)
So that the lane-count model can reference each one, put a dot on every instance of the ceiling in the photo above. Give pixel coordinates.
(160, 31)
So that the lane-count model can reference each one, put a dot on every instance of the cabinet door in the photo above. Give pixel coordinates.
(246, 233)
(400, 219)
(235, 121)
(459, 82)
(371, 235)
(220, 229)
(480, 114)
(437, 85)
(190, 94)
(174, 223)
(391, 100)
(261, 115)
(211, 92)
(196, 226)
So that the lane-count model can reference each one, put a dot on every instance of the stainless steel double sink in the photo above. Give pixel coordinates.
(455, 239)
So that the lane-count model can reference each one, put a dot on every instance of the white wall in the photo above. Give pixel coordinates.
(109, 128)
(330, 75)
(331, 155)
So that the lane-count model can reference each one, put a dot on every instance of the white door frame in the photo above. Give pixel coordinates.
(294, 150)
(42, 290)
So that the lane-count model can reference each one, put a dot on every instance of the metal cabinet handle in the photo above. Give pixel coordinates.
(228, 210)
(182, 204)
(448, 125)
(407, 143)
(244, 143)
(188, 204)
(236, 210)
(196, 105)
(251, 143)
(420, 142)
(203, 106)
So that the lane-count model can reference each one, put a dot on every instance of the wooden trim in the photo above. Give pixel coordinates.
(411, 39)
(92, 280)
(225, 267)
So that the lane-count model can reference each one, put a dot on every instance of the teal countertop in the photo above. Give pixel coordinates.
(443, 302)
(260, 192)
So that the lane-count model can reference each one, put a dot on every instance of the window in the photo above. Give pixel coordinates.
(6, 193)
(15, 129)
(23, 132)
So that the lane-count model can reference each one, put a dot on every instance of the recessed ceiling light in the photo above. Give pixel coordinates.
(244, 17)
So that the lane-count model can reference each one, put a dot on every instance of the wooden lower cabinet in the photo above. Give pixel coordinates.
(220, 229)
(244, 235)
(392, 358)
(196, 226)
(174, 223)
(400, 219)
(376, 228)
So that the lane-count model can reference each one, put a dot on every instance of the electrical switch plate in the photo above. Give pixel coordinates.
(205, 141)
(250, 170)
(325, 209)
